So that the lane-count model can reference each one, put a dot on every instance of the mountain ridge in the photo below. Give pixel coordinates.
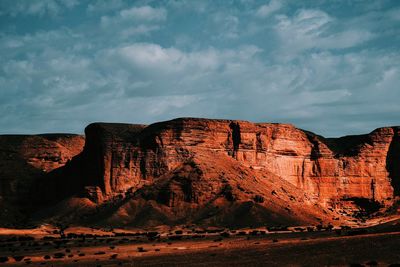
(133, 168)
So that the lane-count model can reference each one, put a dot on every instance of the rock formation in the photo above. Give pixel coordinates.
(26, 158)
(329, 169)
(202, 170)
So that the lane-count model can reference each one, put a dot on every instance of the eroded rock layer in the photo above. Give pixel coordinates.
(330, 170)
(24, 160)
(200, 171)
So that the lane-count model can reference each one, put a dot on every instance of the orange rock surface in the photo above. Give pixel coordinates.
(210, 171)
(330, 170)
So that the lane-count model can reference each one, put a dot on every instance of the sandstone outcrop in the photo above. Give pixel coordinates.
(213, 171)
(330, 170)
(24, 159)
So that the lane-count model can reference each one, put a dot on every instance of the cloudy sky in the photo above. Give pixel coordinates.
(332, 67)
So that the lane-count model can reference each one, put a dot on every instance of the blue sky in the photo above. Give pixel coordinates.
(332, 67)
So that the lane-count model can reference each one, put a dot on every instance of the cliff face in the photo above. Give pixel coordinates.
(24, 160)
(330, 170)
(23, 156)
(200, 170)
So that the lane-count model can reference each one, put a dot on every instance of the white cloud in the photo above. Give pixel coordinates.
(153, 57)
(36, 7)
(134, 21)
(144, 13)
(220, 62)
(394, 14)
(105, 5)
(268, 9)
(138, 30)
(309, 29)
(227, 25)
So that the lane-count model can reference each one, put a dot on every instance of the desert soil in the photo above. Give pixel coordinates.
(379, 245)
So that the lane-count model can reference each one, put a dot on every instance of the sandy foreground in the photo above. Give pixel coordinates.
(240, 248)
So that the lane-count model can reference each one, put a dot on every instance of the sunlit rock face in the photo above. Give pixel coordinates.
(330, 170)
(220, 172)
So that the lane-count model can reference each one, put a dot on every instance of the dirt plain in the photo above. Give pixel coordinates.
(371, 246)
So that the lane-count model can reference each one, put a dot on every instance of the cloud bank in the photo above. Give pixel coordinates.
(330, 68)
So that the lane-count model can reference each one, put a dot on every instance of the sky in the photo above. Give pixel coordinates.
(331, 67)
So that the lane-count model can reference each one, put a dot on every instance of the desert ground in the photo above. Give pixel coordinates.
(295, 246)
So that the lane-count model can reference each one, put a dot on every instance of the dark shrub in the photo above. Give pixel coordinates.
(225, 234)
(175, 237)
(59, 255)
(99, 253)
(372, 263)
(26, 238)
(277, 228)
(141, 249)
(3, 259)
(72, 235)
(254, 232)
(357, 232)
(259, 199)
(46, 257)
(153, 234)
(18, 258)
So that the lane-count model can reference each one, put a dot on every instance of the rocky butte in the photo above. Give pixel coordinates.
(198, 171)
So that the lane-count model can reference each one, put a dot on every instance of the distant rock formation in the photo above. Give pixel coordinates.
(191, 170)
(24, 160)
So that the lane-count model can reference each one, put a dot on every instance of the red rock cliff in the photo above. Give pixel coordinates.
(223, 172)
(329, 170)
(24, 160)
